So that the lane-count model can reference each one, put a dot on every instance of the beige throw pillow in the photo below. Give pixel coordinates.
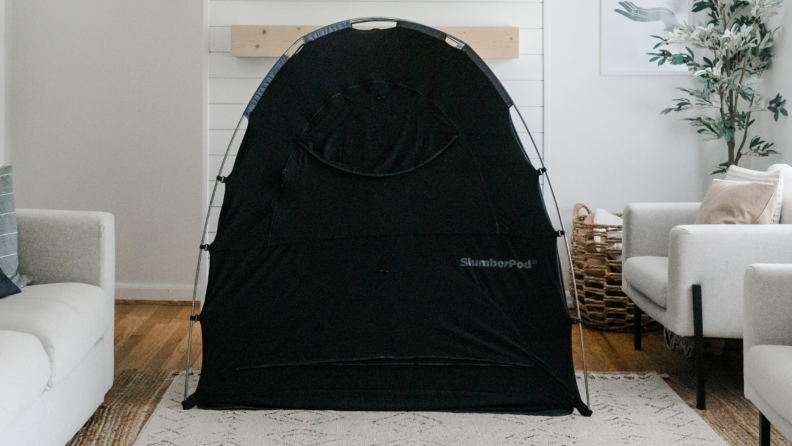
(738, 203)
(736, 173)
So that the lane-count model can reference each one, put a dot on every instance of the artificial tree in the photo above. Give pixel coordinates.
(740, 45)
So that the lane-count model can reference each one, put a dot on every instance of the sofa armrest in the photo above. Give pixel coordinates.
(716, 257)
(68, 246)
(647, 226)
(767, 305)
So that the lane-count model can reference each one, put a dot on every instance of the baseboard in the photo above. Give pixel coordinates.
(175, 303)
(156, 291)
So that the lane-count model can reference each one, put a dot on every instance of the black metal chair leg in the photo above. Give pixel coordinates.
(637, 328)
(698, 333)
(764, 430)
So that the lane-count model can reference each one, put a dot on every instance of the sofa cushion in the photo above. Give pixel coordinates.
(649, 275)
(24, 372)
(67, 318)
(767, 372)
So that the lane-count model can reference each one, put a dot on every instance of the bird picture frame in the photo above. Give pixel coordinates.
(626, 35)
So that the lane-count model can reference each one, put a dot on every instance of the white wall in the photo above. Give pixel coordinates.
(777, 80)
(106, 112)
(107, 101)
(607, 144)
(4, 16)
(232, 81)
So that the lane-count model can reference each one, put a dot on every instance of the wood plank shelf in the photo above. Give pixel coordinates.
(273, 41)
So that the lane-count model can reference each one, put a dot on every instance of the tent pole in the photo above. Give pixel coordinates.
(209, 211)
(568, 250)
(218, 180)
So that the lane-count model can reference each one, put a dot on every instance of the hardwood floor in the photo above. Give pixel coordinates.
(154, 337)
(614, 352)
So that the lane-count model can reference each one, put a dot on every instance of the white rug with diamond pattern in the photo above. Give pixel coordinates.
(628, 410)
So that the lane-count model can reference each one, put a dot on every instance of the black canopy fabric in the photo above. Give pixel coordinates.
(383, 242)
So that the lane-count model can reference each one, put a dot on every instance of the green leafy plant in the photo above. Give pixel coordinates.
(740, 46)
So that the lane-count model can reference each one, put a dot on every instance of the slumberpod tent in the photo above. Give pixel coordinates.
(383, 242)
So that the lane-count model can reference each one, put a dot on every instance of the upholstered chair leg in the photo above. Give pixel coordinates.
(764, 430)
(637, 328)
(698, 334)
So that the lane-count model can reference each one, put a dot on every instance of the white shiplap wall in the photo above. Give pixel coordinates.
(232, 81)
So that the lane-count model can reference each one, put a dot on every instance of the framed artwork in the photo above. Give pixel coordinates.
(626, 35)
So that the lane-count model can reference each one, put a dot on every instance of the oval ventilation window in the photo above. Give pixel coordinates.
(378, 129)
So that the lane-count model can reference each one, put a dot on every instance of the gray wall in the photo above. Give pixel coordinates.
(106, 110)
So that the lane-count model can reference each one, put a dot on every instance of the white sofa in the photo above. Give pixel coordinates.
(767, 346)
(689, 277)
(56, 337)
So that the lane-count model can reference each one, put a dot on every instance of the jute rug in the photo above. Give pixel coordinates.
(729, 413)
(628, 410)
(126, 408)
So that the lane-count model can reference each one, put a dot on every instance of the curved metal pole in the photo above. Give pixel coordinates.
(200, 256)
(297, 42)
(375, 19)
(569, 253)
(203, 235)
(301, 41)
(395, 20)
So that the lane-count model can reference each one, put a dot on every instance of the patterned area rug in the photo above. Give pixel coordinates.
(628, 410)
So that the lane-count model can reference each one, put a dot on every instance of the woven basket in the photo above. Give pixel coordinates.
(596, 258)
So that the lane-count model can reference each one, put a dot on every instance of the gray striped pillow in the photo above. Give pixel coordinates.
(9, 262)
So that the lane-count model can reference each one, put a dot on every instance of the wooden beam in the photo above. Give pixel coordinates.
(273, 41)
(489, 42)
(265, 41)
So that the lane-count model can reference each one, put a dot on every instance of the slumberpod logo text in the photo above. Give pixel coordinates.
(492, 263)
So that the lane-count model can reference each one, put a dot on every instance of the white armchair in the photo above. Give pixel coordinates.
(767, 346)
(689, 277)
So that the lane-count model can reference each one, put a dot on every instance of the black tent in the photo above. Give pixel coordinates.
(383, 242)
